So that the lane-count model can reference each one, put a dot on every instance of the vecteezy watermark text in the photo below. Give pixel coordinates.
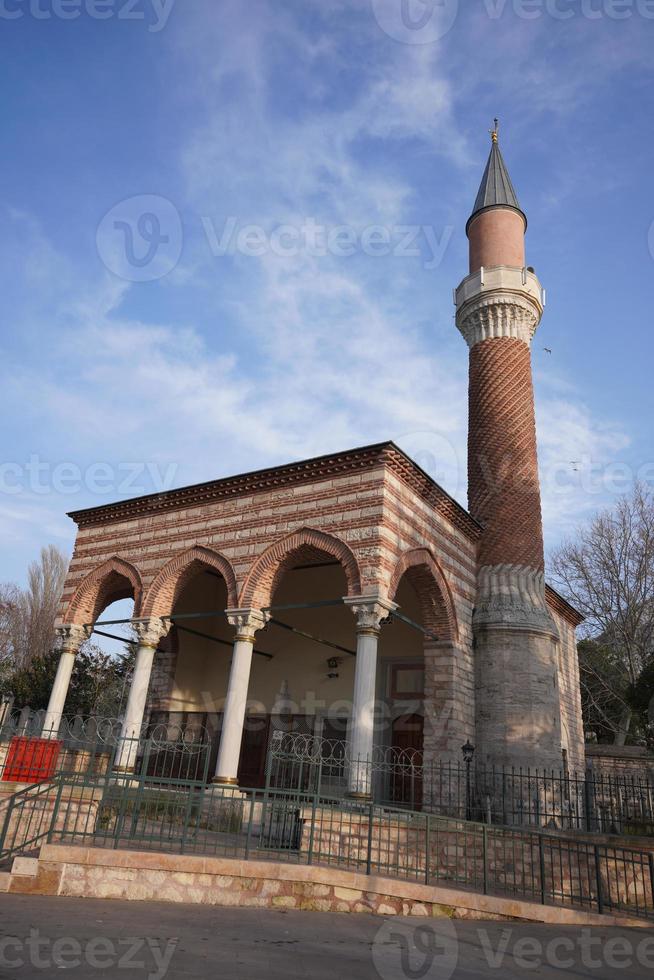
(404, 951)
(319, 240)
(427, 21)
(98, 953)
(41, 477)
(140, 239)
(567, 9)
(153, 13)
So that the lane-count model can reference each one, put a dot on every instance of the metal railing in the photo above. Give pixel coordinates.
(588, 801)
(593, 802)
(176, 817)
(94, 746)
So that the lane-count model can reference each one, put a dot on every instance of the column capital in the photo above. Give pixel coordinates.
(71, 636)
(247, 622)
(370, 611)
(150, 632)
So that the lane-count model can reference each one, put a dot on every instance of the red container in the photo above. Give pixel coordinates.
(31, 760)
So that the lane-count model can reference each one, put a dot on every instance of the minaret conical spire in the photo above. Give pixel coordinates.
(496, 188)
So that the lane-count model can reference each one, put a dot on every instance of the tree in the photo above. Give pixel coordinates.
(607, 573)
(39, 604)
(97, 688)
(30, 686)
(605, 689)
(100, 682)
(28, 616)
(10, 625)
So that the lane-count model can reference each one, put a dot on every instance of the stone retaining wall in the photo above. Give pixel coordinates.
(398, 845)
(96, 873)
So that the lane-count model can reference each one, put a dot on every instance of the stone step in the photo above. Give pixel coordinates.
(5, 878)
(25, 867)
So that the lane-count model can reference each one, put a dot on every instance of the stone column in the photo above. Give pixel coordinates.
(247, 623)
(369, 612)
(150, 632)
(69, 639)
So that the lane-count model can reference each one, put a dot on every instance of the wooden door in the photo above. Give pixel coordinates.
(406, 781)
(252, 764)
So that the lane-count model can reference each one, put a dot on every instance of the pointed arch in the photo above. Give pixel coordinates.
(114, 579)
(268, 569)
(177, 573)
(433, 590)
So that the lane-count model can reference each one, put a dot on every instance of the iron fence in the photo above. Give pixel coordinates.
(175, 817)
(94, 746)
(588, 801)
(305, 763)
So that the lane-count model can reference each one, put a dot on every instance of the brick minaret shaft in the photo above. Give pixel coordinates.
(499, 308)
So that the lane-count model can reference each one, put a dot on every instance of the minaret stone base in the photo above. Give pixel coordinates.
(518, 717)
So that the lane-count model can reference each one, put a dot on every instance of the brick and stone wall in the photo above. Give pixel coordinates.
(572, 727)
(625, 761)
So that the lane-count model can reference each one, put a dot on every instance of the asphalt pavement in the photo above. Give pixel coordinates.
(91, 939)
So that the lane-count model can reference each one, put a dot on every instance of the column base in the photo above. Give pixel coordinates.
(360, 797)
(224, 781)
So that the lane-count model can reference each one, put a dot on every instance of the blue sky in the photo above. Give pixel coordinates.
(202, 118)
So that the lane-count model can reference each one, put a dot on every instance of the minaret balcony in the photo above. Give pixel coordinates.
(500, 278)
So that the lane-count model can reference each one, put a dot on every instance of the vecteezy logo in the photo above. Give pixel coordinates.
(401, 951)
(140, 239)
(416, 21)
(438, 455)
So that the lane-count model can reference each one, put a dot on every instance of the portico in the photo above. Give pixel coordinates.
(257, 619)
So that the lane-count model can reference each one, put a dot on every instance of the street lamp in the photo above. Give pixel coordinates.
(468, 751)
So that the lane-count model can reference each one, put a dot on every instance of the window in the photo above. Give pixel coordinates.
(407, 681)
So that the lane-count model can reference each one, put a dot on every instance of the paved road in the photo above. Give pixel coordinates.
(90, 939)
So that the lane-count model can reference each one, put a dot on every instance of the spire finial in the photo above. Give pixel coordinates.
(495, 131)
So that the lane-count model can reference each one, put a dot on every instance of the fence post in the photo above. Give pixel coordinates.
(207, 759)
(269, 762)
(145, 758)
(588, 800)
(651, 876)
(188, 815)
(250, 822)
(371, 812)
(318, 788)
(427, 849)
(598, 880)
(55, 810)
(122, 807)
(484, 847)
(541, 861)
(7, 821)
(314, 807)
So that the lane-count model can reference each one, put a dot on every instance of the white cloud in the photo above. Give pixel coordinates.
(277, 359)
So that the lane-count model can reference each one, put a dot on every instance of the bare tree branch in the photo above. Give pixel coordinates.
(607, 572)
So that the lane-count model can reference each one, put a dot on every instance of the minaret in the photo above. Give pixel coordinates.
(499, 307)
